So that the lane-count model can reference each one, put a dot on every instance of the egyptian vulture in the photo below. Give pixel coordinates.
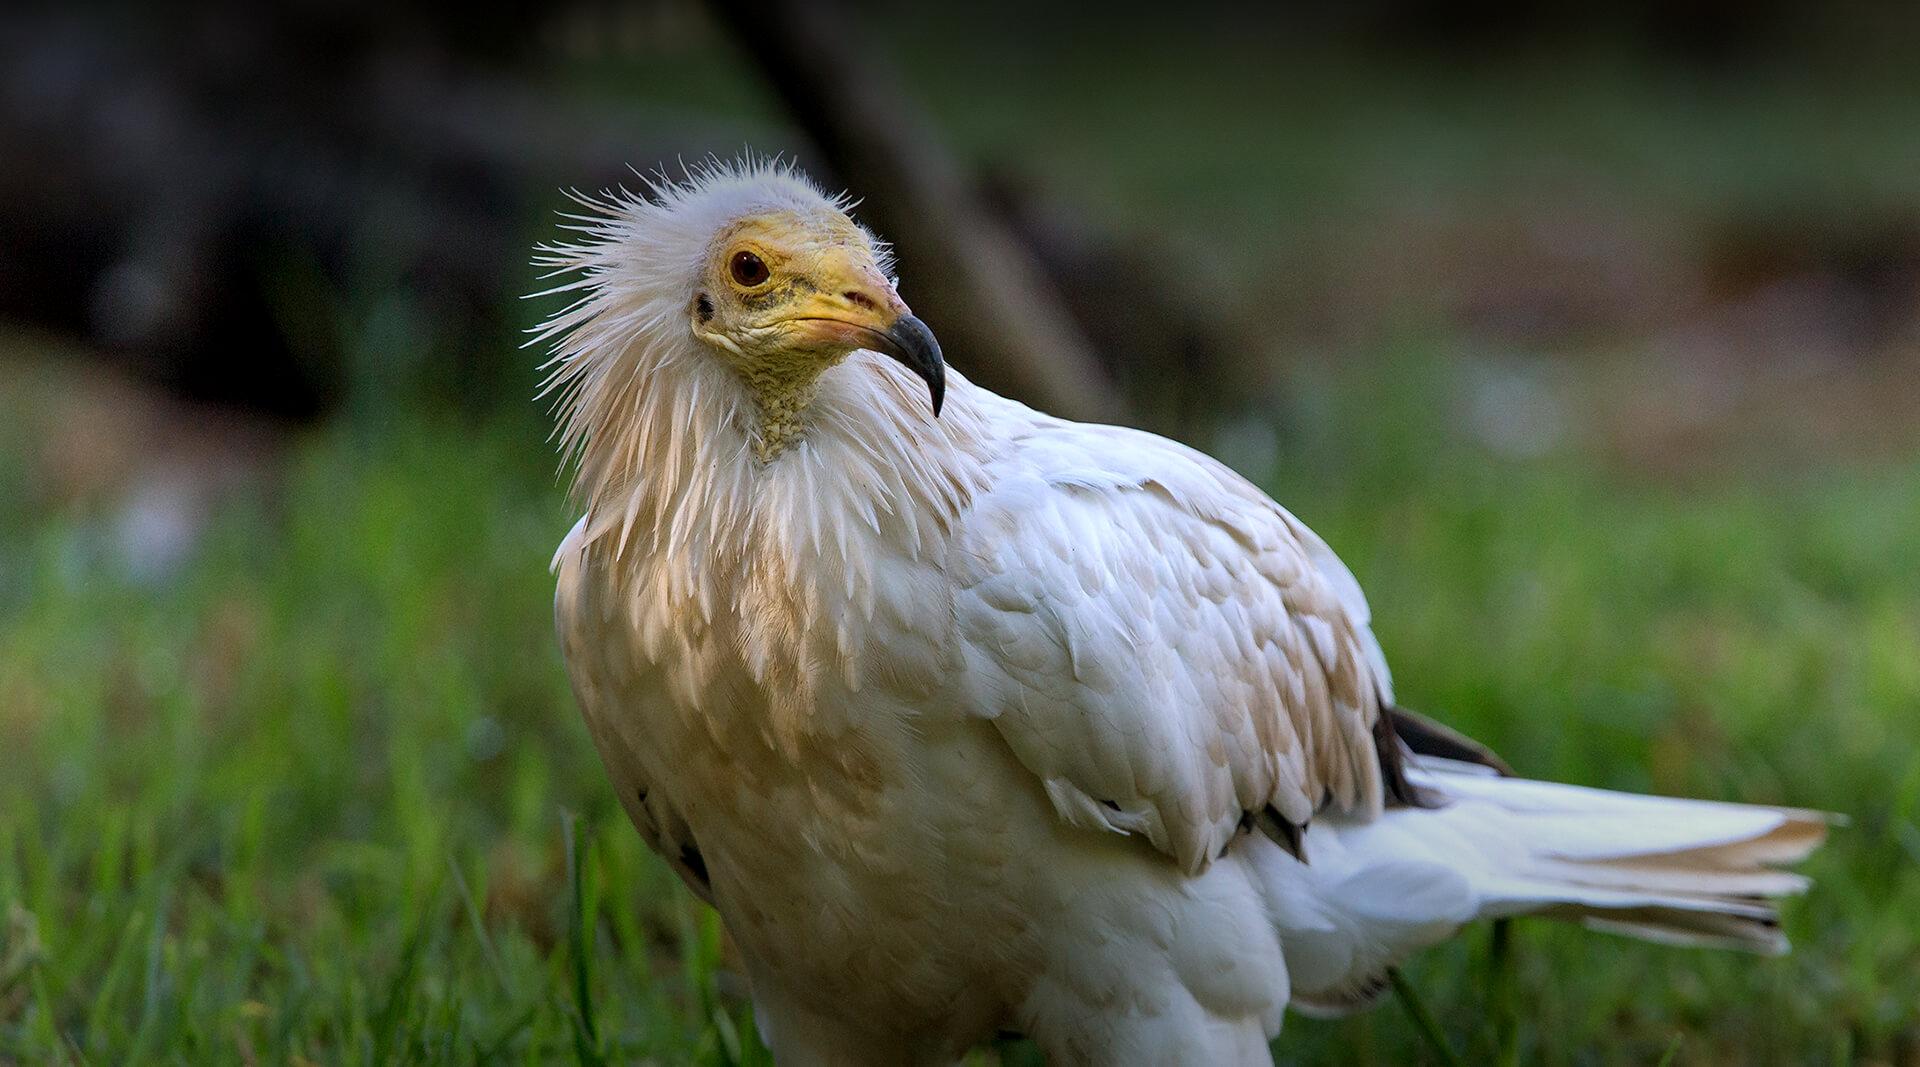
(969, 719)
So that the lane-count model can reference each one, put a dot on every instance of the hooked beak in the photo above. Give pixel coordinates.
(890, 330)
(855, 307)
(910, 342)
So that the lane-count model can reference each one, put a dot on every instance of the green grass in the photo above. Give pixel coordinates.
(325, 797)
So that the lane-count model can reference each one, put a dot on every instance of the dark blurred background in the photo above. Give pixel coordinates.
(1138, 213)
(1589, 333)
(217, 198)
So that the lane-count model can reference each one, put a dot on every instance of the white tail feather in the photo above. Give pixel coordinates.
(1684, 872)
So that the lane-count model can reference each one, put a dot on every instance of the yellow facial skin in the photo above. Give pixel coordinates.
(784, 297)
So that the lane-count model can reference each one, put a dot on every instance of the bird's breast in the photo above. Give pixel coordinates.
(834, 810)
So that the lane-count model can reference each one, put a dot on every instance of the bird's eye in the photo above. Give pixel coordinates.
(748, 269)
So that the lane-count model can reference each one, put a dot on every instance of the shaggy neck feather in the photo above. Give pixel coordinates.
(684, 460)
(722, 485)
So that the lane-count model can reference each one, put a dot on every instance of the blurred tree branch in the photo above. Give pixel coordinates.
(996, 311)
(274, 207)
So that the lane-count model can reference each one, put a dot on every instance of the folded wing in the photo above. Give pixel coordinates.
(1166, 648)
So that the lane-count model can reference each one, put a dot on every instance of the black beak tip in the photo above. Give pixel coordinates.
(910, 342)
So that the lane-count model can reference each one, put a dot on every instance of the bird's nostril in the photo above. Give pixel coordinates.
(859, 299)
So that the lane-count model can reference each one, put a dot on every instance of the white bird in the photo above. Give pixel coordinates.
(969, 719)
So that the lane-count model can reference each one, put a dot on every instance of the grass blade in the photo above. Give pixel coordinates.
(1423, 1019)
(395, 1007)
(586, 1034)
(1506, 1019)
(478, 922)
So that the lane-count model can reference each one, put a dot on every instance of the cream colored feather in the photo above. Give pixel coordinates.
(963, 723)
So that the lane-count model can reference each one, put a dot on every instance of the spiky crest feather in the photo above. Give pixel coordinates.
(660, 429)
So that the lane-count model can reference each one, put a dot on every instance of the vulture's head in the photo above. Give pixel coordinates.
(782, 293)
(747, 267)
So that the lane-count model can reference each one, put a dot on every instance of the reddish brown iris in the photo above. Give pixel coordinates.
(748, 269)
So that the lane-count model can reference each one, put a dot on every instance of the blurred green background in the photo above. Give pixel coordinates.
(1589, 341)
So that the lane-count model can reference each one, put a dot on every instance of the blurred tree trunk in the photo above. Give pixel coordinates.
(997, 313)
(280, 207)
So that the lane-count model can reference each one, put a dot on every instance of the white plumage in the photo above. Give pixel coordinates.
(996, 721)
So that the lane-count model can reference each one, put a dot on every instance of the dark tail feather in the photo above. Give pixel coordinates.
(1425, 737)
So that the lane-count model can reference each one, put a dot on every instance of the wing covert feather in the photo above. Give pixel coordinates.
(1161, 644)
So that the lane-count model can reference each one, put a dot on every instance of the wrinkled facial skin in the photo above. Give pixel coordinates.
(817, 286)
(783, 296)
